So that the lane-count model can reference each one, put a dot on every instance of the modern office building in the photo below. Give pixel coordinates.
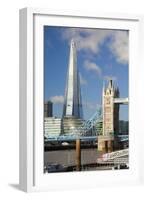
(123, 127)
(72, 109)
(48, 109)
(52, 126)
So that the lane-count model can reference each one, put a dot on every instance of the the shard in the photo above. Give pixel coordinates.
(72, 110)
(72, 104)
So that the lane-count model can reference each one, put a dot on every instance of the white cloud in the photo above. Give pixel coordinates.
(57, 99)
(91, 40)
(87, 39)
(91, 66)
(82, 80)
(119, 46)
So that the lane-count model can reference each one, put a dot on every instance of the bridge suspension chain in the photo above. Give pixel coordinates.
(88, 127)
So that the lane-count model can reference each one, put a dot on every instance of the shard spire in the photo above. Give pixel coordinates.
(72, 103)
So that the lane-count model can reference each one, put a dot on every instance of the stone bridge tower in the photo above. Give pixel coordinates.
(106, 142)
(110, 110)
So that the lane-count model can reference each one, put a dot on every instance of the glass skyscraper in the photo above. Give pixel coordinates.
(72, 109)
(72, 104)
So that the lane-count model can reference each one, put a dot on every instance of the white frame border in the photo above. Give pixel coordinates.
(27, 90)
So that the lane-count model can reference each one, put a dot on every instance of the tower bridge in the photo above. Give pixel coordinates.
(73, 126)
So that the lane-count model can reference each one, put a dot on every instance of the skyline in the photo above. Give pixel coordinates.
(101, 54)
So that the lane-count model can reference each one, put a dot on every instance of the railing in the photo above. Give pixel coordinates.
(70, 138)
(114, 161)
(113, 156)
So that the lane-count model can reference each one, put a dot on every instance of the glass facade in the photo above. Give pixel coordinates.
(72, 104)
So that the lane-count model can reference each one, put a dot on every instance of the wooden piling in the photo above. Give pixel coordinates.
(78, 155)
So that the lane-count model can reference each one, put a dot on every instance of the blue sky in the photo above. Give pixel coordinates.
(101, 54)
